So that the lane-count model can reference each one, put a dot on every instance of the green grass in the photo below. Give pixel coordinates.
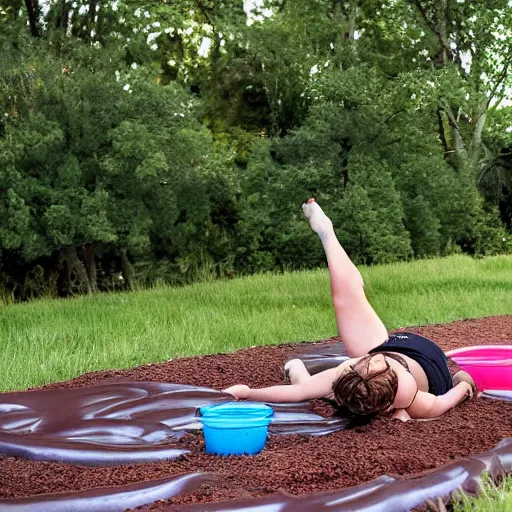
(492, 498)
(49, 340)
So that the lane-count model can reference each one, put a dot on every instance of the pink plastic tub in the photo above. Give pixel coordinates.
(490, 366)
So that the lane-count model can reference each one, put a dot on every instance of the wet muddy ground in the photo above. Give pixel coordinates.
(290, 464)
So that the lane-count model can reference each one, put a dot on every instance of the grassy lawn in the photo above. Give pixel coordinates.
(492, 499)
(50, 340)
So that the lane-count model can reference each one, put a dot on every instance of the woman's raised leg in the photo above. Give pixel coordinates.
(359, 326)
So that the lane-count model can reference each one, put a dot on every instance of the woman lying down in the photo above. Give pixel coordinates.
(403, 372)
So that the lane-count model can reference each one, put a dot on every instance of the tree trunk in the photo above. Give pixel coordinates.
(100, 33)
(442, 135)
(93, 7)
(62, 20)
(33, 16)
(443, 36)
(89, 21)
(476, 142)
(127, 270)
(352, 21)
(76, 267)
(461, 153)
(90, 266)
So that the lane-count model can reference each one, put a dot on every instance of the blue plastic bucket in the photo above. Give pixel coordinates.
(235, 428)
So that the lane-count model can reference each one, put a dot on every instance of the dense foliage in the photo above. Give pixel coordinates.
(153, 140)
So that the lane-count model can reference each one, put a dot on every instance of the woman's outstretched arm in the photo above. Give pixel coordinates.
(359, 326)
(316, 386)
(427, 405)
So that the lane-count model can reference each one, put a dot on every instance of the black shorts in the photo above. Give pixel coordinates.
(426, 353)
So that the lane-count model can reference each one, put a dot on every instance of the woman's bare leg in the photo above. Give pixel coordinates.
(359, 326)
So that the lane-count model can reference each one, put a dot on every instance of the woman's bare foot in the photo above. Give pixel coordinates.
(318, 221)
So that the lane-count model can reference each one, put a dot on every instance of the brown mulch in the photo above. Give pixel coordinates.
(296, 464)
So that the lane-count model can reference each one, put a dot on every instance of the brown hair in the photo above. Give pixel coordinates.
(367, 393)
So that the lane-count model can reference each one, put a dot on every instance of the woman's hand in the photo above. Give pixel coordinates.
(462, 376)
(239, 391)
(469, 390)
